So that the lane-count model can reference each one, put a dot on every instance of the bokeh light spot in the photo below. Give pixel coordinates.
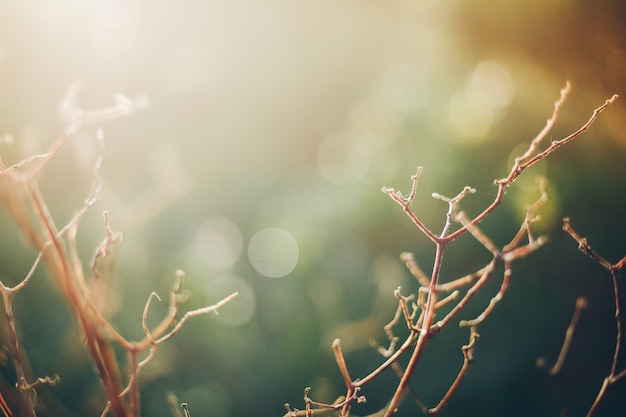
(469, 115)
(492, 83)
(488, 91)
(273, 252)
(218, 243)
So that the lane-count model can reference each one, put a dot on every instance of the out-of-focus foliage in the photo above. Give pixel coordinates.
(258, 168)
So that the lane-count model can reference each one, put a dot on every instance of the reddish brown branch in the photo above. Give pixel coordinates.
(6, 411)
(613, 377)
(581, 304)
(468, 357)
(58, 248)
(423, 327)
(22, 384)
(405, 202)
(409, 260)
(584, 247)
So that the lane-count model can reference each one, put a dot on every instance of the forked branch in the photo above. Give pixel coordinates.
(57, 247)
(419, 316)
(614, 269)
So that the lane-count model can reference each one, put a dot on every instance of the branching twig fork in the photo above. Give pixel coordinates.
(424, 328)
(613, 377)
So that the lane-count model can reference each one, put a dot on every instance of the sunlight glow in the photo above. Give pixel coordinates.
(343, 159)
(114, 28)
(469, 115)
(218, 243)
(488, 91)
(404, 88)
(491, 82)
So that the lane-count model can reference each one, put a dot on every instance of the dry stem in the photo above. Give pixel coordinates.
(58, 248)
(581, 304)
(613, 377)
(422, 326)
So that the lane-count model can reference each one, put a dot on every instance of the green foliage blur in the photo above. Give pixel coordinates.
(273, 126)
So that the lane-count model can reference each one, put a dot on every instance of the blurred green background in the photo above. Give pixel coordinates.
(273, 126)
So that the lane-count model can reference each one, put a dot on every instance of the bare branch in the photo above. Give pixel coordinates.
(405, 202)
(436, 328)
(184, 405)
(452, 203)
(468, 357)
(409, 260)
(204, 310)
(581, 304)
(584, 247)
(614, 269)
(341, 362)
(492, 303)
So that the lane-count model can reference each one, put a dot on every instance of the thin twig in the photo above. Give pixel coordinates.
(452, 203)
(613, 377)
(581, 304)
(405, 202)
(468, 357)
(584, 247)
(184, 405)
(6, 411)
(22, 384)
(399, 372)
(506, 278)
(471, 292)
(59, 250)
(409, 260)
(423, 328)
